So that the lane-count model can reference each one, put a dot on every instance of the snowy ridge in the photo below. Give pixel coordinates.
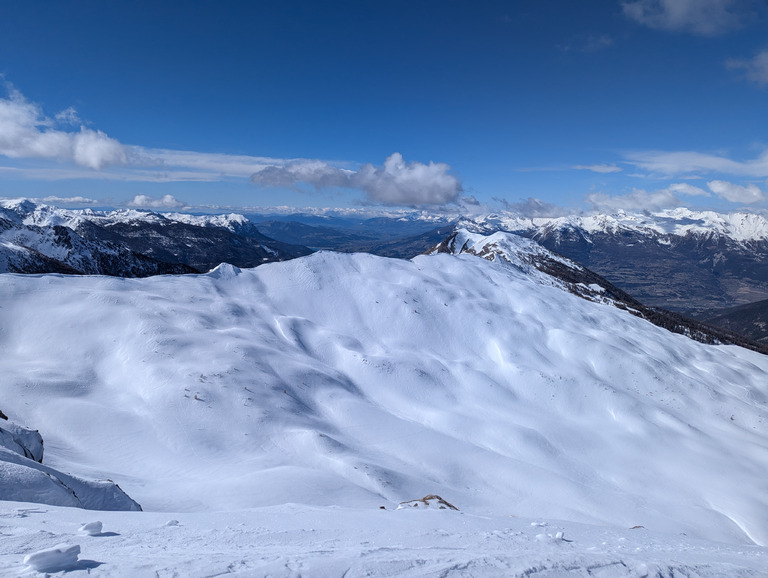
(516, 251)
(513, 249)
(545, 267)
(232, 221)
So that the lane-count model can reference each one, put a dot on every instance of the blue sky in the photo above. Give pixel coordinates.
(590, 105)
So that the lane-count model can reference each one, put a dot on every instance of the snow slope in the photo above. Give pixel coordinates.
(353, 381)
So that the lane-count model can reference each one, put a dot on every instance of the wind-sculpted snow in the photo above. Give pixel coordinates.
(361, 381)
(24, 478)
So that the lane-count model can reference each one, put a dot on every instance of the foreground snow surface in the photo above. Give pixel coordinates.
(352, 381)
(295, 540)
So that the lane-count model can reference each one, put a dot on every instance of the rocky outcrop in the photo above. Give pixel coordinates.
(24, 478)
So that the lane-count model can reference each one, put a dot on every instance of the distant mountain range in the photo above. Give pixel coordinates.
(38, 238)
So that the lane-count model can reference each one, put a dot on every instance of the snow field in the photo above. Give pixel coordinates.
(295, 540)
(357, 381)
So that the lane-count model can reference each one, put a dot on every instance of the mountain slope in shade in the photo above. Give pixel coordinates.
(27, 247)
(362, 381)
(128, 243)
(750, 320)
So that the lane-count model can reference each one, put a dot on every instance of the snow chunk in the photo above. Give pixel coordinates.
(90, 529)
(224, 271)
(61, 557)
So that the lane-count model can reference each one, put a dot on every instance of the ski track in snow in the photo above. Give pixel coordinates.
(347, 382)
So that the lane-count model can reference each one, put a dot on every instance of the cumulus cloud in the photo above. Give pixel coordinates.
(599, 168)
(396, 182)
(755, 69)
(25, 132)
(702, 17)
(737, 193)
(165, 202)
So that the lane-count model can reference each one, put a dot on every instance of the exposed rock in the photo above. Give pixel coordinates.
(431, 501)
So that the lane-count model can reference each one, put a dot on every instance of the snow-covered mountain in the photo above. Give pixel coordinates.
(740, 226)
(689, 261)
(36, 238)
(343, 383)
(552, 269)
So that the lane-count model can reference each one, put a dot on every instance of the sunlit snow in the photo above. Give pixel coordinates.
(272, 412)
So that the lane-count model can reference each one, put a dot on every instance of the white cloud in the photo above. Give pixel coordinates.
(25, 132)
(599, 168)
(165, 202)
(69, 200)
(755, 69)
(702, 17)
(737, 193)
(690, 162)
(687, 189)
(69, 116)
(670, 197)
(94, 149)
(394, 183)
